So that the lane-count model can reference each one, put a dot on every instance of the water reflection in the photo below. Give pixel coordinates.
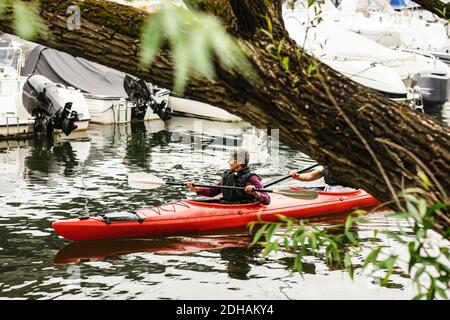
(76, 252)
(240, 261)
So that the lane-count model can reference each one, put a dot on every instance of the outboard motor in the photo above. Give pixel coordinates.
(434, 87)
(40, 98)
(142, 96)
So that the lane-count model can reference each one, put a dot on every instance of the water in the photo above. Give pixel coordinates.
(65, 178)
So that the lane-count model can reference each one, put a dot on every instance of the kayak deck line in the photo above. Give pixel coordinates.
(141, 217)
(248, 212)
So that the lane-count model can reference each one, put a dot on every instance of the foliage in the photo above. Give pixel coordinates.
(442, 12)
(429, 261)
(193, 37)
(2, 6)
(26, 20)
(276, 47)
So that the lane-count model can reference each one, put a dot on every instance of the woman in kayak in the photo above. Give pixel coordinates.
(330, 182)
(239, 175)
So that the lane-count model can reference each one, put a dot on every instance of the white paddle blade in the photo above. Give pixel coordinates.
(139, 180)
(298, 194)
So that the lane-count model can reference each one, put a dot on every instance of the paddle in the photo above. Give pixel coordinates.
(289, 176)
(147, 181)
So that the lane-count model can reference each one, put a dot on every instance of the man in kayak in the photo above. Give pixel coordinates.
(330, 182)
(239, 175)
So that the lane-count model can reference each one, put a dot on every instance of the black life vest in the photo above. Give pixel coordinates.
(237, 179)
(328, 177)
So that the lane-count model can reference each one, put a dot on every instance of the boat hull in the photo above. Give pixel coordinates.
(187, 216)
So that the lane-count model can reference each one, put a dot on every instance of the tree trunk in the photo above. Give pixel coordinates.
(365, 139)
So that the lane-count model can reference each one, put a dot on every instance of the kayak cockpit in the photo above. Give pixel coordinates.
(215, 203)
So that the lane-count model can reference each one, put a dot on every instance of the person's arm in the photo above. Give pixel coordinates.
(309, 176)
(255, 182)
(202, 191)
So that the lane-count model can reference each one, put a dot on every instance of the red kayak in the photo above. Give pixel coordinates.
(188, 216)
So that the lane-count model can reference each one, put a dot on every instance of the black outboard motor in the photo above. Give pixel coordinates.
(40, 98)
(142, 96)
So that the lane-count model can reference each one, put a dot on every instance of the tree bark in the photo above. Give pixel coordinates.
(366, 140)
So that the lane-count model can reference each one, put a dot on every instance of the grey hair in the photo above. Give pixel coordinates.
(241, 155)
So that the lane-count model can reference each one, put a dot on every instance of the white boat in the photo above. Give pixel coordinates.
(341, 48)
(103, 89)
(184, 107)
(14, 119)
(113, 109)
(107, 109)
(405, 29)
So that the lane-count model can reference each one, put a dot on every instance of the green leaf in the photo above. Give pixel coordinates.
(419, 296)
(424, 179)
(27, 22)
(418, 273)
(412, 210)
(269, 26)
(447, 234)
(399, 215)
(311, 2)
(395, 236)
(310, 70)
(350, 236)
(286, 244)
(151, 40)
(359, 212)
(298, 264)
(200, 52)
(193, 38)
(2, 6)
(422, 207)
(283, 218)
(411, 191)
(348, 264)
(271, 231)
(371, 257)
(348, 223)
(442, 293)
(181, 64)
(375, 233)
(258, 234)
(271, 246)
(437, 206)
(313, 242)
(280, 46)
(286, 63)
(431, 289)
(171, 20)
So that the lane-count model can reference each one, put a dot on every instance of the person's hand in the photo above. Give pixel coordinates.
(294, 174)
(250, 190)
(190, 186)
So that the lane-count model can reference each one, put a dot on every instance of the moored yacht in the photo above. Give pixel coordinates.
(340, 48)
